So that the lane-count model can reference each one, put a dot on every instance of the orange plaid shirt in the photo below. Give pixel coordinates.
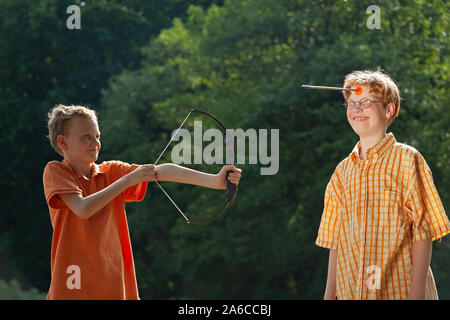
(373, 211)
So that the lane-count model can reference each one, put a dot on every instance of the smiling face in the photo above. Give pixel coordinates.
(82, 143)
(370, 121)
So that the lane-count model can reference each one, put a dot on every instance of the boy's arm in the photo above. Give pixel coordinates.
(421, 256)
(176, 173)
(85, 207)
(330, 291)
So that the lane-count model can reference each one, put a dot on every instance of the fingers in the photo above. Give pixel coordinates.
(148, 172)
(235, 176)
(233, 168)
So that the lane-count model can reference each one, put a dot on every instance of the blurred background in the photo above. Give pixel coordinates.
(141, 64)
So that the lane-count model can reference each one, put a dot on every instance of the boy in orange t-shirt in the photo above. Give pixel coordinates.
(91, 256)
(381, 210)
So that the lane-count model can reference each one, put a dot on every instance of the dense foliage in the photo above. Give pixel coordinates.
(243, 61)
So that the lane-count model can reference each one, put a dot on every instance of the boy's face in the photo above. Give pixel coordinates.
(82, 143)
(369, 121)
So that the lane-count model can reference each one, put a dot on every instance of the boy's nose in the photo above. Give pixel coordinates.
(358, 108)
(97, 142)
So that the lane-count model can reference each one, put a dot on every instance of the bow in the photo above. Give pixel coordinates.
(230, 192)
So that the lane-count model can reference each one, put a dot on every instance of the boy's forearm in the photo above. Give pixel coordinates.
(97, 201)
(330, 291)
(421, 256)
(176, 173)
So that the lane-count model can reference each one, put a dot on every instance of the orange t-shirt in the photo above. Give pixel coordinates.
(90, 258)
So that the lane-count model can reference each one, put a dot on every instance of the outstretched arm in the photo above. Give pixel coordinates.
(176, 173)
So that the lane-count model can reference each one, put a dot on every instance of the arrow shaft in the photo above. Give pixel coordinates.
(325, 87)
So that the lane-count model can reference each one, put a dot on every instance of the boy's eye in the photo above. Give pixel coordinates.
(90, 138)
(364, 102)
(86, 138)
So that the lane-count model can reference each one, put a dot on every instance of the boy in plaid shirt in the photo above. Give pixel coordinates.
(381, 210)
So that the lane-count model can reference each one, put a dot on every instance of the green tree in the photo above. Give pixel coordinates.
(244, 62)
(43, 63)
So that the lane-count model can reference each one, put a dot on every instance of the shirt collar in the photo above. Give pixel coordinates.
(377, 151)
(95, 169)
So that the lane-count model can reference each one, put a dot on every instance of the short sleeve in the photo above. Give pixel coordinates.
(58, 180)
(328, 236)
(119, 169)
(424, 205)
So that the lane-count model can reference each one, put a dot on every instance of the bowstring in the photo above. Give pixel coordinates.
(173, 137)
(172, 201)
(167, 195)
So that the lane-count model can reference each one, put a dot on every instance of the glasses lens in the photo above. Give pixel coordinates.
(350, 104)
(364, 103)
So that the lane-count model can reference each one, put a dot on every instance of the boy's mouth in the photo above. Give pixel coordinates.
(360, 118)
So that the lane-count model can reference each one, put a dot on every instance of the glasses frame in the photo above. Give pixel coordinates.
(352, 104)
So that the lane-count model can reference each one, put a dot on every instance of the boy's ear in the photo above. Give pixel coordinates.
(61, 140)
(390, 109)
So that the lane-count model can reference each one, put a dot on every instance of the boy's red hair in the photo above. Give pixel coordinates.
(379, 83)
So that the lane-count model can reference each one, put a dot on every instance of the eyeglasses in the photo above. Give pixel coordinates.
(363, 103)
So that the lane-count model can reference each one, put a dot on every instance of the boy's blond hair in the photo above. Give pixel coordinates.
(380, 84)
(59, 119)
